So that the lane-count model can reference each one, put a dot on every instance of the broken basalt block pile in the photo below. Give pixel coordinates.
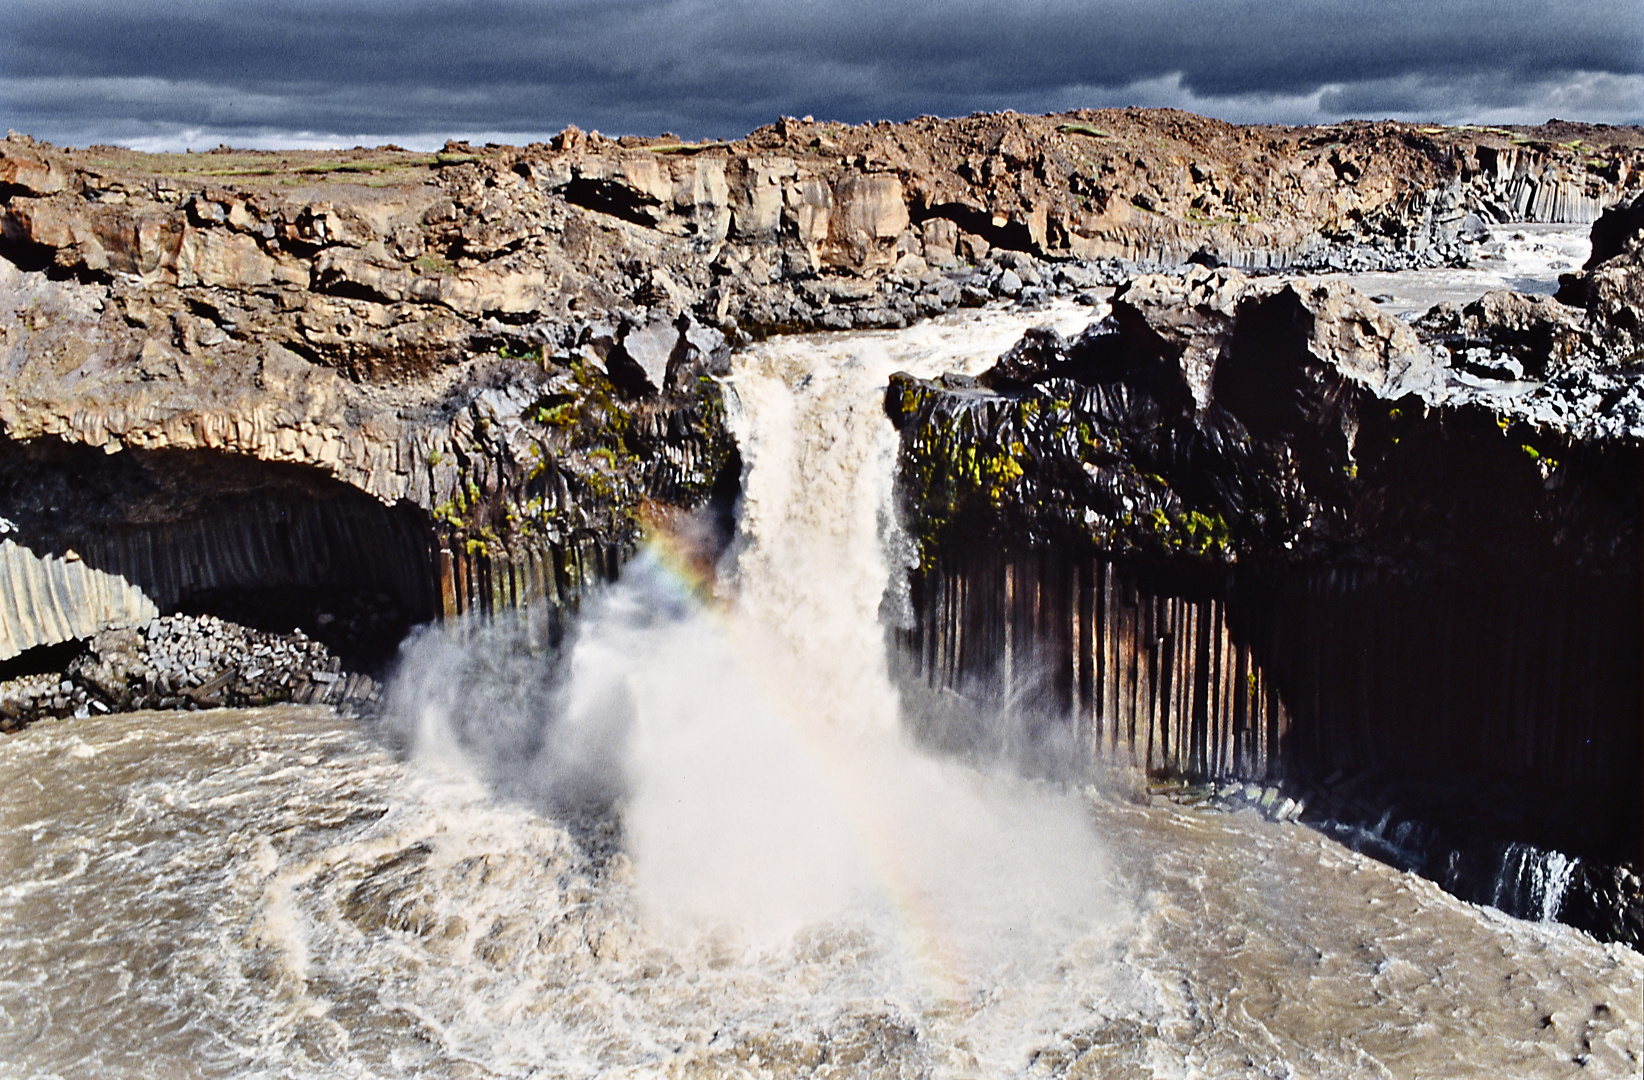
(186, 662)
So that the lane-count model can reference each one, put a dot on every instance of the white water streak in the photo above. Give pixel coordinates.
(770, 784)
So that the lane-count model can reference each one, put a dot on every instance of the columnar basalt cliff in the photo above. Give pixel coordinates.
(1252, 531)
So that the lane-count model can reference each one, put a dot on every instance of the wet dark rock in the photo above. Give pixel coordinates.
(1453, 836)
(1029, 361)
(1618, 232)
(1227, 419)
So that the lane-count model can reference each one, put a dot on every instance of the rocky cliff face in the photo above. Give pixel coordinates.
(1230, 418)
(1224, 419)
(201, 334)
(1260, 531)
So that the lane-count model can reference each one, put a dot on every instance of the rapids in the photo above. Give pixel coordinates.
(1524, 257)
(697, 843)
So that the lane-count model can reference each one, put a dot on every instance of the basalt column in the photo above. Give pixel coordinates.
(1147, 667)
(1509, 699)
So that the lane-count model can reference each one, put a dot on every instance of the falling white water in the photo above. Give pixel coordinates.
(766, 785)
(1532, 882)
(749, 743)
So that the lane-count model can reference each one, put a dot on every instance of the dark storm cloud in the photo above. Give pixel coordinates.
(77, 71)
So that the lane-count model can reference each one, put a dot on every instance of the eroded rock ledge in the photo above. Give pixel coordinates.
(1233, 419)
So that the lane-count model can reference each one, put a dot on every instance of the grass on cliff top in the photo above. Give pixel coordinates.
(685, 148)
(361, 165)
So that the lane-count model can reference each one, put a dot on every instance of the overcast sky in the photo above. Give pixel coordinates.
(168, 74)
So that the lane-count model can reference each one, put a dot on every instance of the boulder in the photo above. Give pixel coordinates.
(940, 237)
(647, 350)
(869, 213)
(30, 172)
(224, 260)
(1349, 332)
(112, 665)
(1037, 357)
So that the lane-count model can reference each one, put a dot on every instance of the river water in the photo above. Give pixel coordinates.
(696, 843)
(1525, 257)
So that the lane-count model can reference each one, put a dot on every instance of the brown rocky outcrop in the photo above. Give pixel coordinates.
(137, 318)
(760, 230)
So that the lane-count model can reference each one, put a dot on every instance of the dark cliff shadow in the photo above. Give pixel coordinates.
(269, 545)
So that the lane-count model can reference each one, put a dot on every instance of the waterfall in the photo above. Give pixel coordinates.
(1531, 882)
(693, 839)
(743, 723)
